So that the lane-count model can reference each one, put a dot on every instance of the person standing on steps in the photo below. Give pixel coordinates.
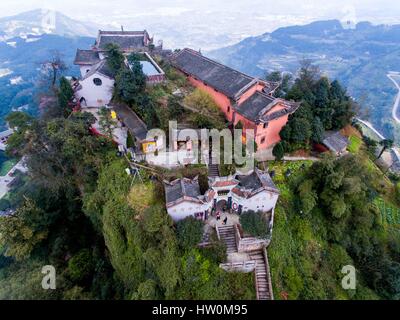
(225, 220)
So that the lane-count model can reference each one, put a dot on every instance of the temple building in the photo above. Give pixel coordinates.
(97, 82)
(237, 193)
(239, 96)
(128, 41)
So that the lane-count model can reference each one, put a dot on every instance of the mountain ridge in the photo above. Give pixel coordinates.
(42, 21)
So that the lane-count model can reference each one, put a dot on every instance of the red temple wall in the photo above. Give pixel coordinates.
(271, 133)
(220, 99)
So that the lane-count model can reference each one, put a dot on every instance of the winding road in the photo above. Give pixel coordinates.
(395, 111)
(369, 125)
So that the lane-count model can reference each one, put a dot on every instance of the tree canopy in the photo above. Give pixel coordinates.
(325, 106)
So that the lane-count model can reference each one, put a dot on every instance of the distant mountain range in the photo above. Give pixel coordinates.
(39, 22)
(360, 56)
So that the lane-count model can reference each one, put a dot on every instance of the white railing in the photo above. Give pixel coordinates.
(245, 266)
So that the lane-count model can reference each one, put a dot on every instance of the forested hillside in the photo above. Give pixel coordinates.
(328, 217)
(107, 236)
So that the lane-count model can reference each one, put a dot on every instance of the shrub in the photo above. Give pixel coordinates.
(190, 232)
(141, 197)
(130, 141)
(278, 151)
(254, 223)
(81, 265)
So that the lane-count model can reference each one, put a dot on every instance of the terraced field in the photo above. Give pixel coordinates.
(390, 214)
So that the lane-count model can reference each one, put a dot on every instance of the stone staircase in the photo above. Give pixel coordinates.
(263, 285)
(227, 235)
(213, 170)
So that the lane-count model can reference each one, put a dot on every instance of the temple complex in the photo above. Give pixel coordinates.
(240, 97)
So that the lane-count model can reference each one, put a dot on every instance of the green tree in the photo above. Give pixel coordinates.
(175, 109)
(115, 58)
(283, 80)
(81, 266)
(106, 122)
(65, 96)
(317, 132)
(18, 120)
(22, 231)
(189, 232)
(300, 130)
(62, 153)
(278, 151)
(254, 223)
(322, 102)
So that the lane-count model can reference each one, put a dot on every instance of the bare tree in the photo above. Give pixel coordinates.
(309, 73)
(52, 68)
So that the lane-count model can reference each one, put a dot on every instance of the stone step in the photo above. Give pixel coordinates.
(229, 239)
(225, 227)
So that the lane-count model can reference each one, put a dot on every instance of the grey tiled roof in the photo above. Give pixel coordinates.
(291, 107)
(101, 32)
(86, 57)
(256, 180)
(101, 67)
(182, 188)
(252, 107)
(335, 141)
(270, 87)
(135, 125)
(222, 78)
(123, 41)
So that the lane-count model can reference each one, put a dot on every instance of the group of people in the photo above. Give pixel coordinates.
(218, 216)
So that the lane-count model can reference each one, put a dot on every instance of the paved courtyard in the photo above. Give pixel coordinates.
(232, 219)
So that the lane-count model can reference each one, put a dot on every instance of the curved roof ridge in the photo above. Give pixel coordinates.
(216, 62)
(222, 78)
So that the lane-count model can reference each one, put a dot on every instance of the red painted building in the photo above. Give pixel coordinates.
(239, 96)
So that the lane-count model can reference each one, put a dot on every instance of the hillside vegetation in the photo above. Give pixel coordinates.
(330, 215)
(107, 236)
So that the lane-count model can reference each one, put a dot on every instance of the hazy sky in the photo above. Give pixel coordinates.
(209, 24)
(377, 10)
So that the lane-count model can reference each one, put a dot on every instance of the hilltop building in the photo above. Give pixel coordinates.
(239, 96)
(128, 41)
(97, 81)
(238, 193)
(95, 88)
